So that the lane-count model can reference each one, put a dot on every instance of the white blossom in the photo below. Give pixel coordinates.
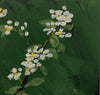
(15, 74)
(64, 7)
(22, 28)
(9, 22)
(16, 23)
(3, 12)
(26, 33)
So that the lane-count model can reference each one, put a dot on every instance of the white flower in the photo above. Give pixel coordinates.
(51, 11)
(63, 23)
(56, 14)
(33, 53)
(20, 69)
(14, 70)
(42, 57)
(7, 32)
(48, 24)
(25, 23)
(3, 13)
(9, 22)
(10, 76)
(64, 7)
(49, 30)
(68, 35)
(22, 28)
(40, 50)
(57, 23)
(66, 13)
(16, 23)
(27, 73)
(8, 29)
(49, 55)
(53, 16)
(60, 33)
(15, 74)
(52, 23)
(28, 61)
(46, 51)
(26, 33)
(38, 64)
(61, 15)
(33, 70)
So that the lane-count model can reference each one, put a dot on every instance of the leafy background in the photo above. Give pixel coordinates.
(76, 71)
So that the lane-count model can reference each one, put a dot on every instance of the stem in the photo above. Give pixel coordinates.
(26, 77)
(27, 41)
(20, 80)
(44, 45)
(46, 42)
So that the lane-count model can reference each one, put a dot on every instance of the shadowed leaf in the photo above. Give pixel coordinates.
(12, 90)
(43, 70)
(21, 93)
(54, 41)
(54, 52)
(35, 82)
(3, 30)
(69, 27)
(61, 48)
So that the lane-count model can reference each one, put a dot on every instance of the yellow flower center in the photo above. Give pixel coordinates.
(8, 29)
(15, 74)
(28, 69)
(66, 18)
(57, 16)
(2, 12)
(32, 55)
(28, 61)
(59, 33)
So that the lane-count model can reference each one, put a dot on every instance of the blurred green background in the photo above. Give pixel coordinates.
(76, 71)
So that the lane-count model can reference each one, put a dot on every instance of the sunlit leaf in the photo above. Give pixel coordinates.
(35, 82)
(43, 70)
(12, 90)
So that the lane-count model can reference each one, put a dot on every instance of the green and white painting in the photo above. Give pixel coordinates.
(49, 47)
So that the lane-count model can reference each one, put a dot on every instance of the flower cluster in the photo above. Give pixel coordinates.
(63, 15)
(33, 58)
(62, 18)
(15, 74)
(9, 27)
(3, 12)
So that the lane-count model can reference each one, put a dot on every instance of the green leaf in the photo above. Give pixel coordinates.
(3, 30)
(21, 33)
(21, 93)
(43, 70)
(54, 52)
(54, 41)
(61, 48)
(12, 90)
(35, 82)
(43, 23)
(69, 27)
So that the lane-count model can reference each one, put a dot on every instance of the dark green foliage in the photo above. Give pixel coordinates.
(76, 71)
